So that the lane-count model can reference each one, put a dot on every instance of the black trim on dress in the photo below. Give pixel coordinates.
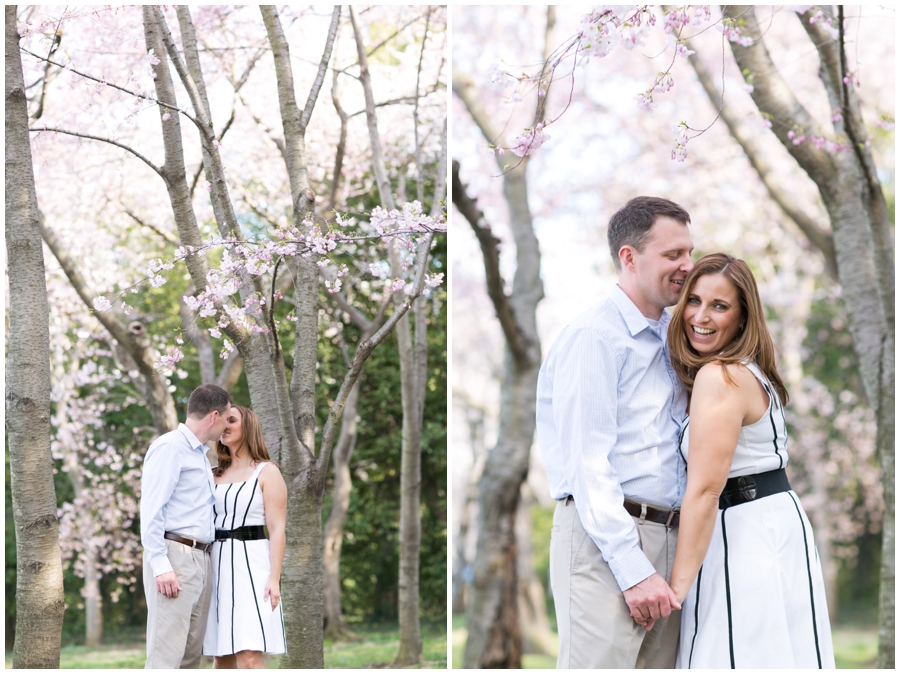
(772, 419)
(696, 616)
(255, 597)
(236, 497)
(728, 594)
(812, 599)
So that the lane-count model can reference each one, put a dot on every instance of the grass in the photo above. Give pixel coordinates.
(376, 648)
(855, 647)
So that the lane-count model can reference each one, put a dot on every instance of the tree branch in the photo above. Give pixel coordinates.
(820, 237)
(320, 74)
(518, 344)
(137, 154)
(381, 179)
(363, 350)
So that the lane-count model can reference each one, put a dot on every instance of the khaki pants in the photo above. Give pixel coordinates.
(175, 625)
(596, 630)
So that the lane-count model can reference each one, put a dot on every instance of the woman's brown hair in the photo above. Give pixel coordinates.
(753, 341)
(251, 439)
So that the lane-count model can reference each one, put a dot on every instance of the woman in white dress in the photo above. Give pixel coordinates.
(245, 616)
(746, 569)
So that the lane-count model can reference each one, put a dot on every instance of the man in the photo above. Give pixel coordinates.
(608, 411)
(177, 499)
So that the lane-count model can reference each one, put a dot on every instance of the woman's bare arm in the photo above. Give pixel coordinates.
(718, 409)
(275, 501)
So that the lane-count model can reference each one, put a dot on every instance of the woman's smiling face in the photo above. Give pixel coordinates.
(712, 315)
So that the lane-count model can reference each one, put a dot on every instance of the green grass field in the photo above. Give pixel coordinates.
(376, 648)
(854, 648)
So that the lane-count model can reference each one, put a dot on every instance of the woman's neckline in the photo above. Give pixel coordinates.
(241, 481)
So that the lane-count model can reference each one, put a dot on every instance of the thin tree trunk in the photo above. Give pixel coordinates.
(335, 629)
(93, 601)
(537, 637)
(39, 582)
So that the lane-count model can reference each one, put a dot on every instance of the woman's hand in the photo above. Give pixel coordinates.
(273, 591)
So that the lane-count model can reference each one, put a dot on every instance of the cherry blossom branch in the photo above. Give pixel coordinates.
(518, 344)
(816, 233)
(136, 94)
(137, 154)
(159, 400)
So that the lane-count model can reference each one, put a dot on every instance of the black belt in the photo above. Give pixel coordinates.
(748, 488)
(668, 516)
(247, 533)
(190, 542)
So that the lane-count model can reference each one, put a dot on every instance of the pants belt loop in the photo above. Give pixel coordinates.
(643, 513)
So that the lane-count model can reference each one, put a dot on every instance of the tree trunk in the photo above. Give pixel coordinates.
(93, 600)
(537, 637)
(39, 583)
(412, 393)
(335, 629)
(863, 249)
(494, 635)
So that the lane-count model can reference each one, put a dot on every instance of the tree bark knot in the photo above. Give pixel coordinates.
(42, 521)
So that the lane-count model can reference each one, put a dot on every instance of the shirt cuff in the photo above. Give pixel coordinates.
(631, 569)
(160, 565)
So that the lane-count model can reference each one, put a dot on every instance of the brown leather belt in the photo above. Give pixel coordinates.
(190, 542)
(668, 516)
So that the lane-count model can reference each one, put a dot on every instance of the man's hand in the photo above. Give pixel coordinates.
(650, 600)
(167, 584)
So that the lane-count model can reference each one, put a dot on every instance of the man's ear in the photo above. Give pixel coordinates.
(626, 257)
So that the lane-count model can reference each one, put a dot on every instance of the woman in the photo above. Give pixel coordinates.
(245, 617)
(746, 569)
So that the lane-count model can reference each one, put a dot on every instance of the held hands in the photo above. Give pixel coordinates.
(650, 600)
(273, 591)
(167, 584)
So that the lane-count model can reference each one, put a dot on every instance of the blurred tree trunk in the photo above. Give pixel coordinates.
(537, 637)
(39, 582)
(863, 242)
(335, 629)
(475, 422)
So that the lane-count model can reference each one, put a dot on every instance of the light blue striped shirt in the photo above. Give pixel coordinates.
(177, 494)
(609, 407)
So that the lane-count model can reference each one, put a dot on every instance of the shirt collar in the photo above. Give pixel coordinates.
(635, 321)
(191, 438)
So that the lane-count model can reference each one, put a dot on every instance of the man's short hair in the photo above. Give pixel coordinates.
(208, 398)
(631, 224)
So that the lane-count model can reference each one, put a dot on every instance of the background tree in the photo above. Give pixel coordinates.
(494, 631)
(39, 586)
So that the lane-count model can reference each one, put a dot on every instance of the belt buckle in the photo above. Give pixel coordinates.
(672, 513)
(746, 489)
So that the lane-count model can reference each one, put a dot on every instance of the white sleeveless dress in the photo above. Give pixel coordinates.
(239, 619)
(759, 598)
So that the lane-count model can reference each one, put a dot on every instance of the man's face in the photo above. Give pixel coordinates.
(219, 422)
(664, 263)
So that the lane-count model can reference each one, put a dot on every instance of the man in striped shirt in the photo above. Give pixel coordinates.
(608, 411)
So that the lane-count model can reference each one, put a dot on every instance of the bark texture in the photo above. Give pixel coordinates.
(863, 245)
(39, 582)
(494, 638)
